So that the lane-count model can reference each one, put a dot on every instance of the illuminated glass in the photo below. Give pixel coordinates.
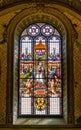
(40, 77)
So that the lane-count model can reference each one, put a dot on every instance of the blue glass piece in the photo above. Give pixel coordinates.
(47, 30)
(33, 30)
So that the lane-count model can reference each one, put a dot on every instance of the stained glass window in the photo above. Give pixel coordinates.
(40, 77)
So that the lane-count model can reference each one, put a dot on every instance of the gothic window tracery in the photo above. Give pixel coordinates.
(40, 75)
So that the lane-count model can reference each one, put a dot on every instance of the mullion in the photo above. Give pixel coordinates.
(47, 77)
(33, 78)
(19, 98)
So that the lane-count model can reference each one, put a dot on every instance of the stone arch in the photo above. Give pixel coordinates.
(66, 30)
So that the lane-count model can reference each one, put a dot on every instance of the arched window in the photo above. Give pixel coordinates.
(40, 71)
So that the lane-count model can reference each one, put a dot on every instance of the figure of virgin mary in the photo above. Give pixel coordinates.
(40, 72)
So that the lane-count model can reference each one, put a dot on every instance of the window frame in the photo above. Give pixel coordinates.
(47, 39)
(58, 19)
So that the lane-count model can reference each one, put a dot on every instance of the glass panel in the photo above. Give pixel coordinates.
(54, 48)
(40, 70)
(40, 78)
(40, 106)
(26, 69)
(26, 48)
(33, 30)
(55, 107)
(47, 30)
(42, 38)
(54, 69)
(40, 88)
(26, 87)
(40, 48)
(54, 88)
(26, 107)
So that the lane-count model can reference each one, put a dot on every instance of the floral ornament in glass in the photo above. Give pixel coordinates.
(40, 104)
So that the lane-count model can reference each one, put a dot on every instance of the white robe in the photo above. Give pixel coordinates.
(40, 75)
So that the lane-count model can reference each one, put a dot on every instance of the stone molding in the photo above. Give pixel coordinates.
(72, 4)
(19, 22)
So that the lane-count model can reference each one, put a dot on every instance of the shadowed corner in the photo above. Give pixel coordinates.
(79, 121)
(4, 35)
